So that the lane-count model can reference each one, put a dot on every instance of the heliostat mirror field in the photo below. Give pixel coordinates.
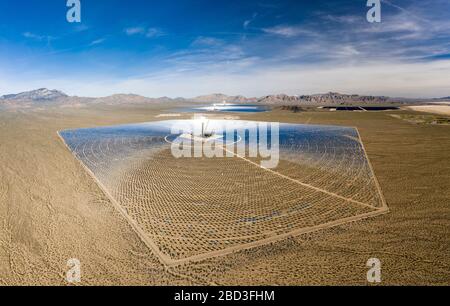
(188, 209)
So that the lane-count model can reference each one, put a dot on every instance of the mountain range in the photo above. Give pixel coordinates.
(44, 96)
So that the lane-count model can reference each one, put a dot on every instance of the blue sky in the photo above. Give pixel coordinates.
(192, 47)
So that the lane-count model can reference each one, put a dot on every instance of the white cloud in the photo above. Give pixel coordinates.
(97, 41)
(423, 79)
(154, 32)
(404, 10)
(147, 32)
(346, 19)
(401, 25)
(394, 79)
(31, 35)
(34, 36)
(207, 41)
(287, 31)
(249, 21)
(134, 31)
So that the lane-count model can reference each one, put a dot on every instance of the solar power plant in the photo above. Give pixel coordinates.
(193, 208)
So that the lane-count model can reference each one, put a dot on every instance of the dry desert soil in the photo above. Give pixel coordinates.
(443, 109)
(51, 210)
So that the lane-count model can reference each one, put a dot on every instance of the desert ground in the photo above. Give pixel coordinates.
(443, 109)
(51, 210)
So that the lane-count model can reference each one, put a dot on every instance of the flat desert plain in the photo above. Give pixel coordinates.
(51, 210)
(440, 109)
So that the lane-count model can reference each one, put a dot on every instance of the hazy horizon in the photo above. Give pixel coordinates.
(210, 94)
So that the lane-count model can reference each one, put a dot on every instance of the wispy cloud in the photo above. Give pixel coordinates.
(400, 24)
(345, 19)
(154, 32)
(97, 41)
(147, 32)
(407, 11)
(34, 36)
(38, 38)
(423, 79)
(249, 21)
(287, 31)
(203, 41)
(134, 31)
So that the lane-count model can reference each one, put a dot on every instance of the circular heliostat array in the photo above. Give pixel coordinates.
(196, 206)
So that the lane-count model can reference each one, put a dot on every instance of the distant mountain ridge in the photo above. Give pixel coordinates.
(219, 98)
(44, 97)
(328, 98)
(41, 94)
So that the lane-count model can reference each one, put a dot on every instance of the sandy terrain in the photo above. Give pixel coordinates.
(442, 102)
(434, 109)
(167, 115)
(51, 210)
